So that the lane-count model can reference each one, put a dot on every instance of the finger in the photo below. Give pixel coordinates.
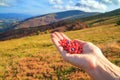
(58, 35)
(54, 36)
(55, 41)
(64, 36)
(60, 48)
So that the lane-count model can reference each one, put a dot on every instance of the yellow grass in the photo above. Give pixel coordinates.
(35, 57)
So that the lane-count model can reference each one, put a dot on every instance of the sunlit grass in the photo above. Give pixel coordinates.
(40, 47)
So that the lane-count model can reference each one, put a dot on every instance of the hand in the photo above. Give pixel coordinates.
(91, 59)
(86, 60)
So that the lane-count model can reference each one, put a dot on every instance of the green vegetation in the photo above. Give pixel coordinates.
(118, 22)
(38, 32)
(47, 32)
(101, 19)
(35, 57)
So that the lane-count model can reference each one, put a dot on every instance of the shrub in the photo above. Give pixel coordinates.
(118, 22)
(38, 32)
(47, 32)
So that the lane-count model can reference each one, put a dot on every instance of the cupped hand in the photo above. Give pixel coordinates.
(86, 60)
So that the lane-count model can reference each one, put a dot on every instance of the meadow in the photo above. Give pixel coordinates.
(36, 58)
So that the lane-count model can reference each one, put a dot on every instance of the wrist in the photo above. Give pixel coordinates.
(105, 70)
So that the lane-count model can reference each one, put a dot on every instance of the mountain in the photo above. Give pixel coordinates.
(74, 13)
(28, 26)
(8, 20)
(52, 17)
(13, 16)
(104, 18)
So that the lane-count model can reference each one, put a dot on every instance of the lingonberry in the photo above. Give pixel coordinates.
(71, 47)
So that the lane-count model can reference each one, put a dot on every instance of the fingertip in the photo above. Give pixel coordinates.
(64, 36)
(56, 33)
(53, 35)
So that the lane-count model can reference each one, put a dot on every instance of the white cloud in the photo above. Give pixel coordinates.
(107, 1)
(59, 1)
(58, 7)
(51, 1)
(84, 5)
(55, 1)
(115, 2)
(3, 4)
(69, 7)
(93, 4)
(70, 2)
(86, 9)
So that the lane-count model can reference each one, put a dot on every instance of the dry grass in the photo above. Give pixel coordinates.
(35, 58)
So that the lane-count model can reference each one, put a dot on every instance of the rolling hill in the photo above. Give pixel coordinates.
(34, 25)
(8, 20)
(103, 18)
(52, 17)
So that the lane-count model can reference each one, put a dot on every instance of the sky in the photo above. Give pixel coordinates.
(39, 7)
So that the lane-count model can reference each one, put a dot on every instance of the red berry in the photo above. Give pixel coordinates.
(71, 47)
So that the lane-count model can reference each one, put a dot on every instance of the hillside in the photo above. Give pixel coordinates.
(52, 17)
(35, 57)
(60, 26)
(103, 18)
(8, 20)
(32, 26)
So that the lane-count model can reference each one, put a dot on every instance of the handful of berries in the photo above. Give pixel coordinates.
(71, 47)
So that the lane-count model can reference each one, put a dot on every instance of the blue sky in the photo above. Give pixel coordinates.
(39, 7)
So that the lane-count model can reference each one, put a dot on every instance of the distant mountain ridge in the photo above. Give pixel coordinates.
(70, 23)
(108, 17)
(73, 13)
(69, 13)
(8, 20)
(17, 16)
(53, 17)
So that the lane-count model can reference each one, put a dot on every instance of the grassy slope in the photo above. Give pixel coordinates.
(36, 58)
(102, 19)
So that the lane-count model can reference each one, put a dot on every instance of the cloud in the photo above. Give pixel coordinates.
(113, 2)
(3, 4)
(84, 5)
(8, 3)
(58, 7)
(106, 1)
(70, 2)
(69, 7)
(55, 1)
(92, 4)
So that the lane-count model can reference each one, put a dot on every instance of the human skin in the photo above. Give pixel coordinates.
(91, 60)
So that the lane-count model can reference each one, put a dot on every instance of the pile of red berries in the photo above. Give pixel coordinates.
(71, 47)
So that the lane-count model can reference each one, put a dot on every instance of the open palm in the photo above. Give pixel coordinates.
(86, 60)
